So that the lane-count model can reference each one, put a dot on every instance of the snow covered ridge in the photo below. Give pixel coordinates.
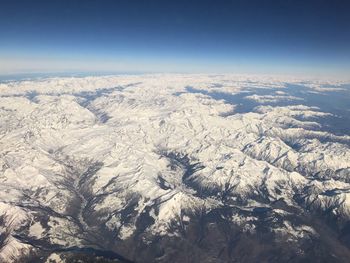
(171, 167)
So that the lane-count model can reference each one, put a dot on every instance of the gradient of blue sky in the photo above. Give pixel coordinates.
(265, 36)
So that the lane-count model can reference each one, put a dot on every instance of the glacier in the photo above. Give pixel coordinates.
(175, 168)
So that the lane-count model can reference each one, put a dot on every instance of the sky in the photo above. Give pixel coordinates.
(206, 36)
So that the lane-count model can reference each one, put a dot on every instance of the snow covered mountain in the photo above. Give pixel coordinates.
(174, 168)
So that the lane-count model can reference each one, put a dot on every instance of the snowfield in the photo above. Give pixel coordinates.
(160, 168)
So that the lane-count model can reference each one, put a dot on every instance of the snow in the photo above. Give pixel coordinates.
(59, 154)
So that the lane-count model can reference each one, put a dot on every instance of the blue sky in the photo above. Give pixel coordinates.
(242, 36)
